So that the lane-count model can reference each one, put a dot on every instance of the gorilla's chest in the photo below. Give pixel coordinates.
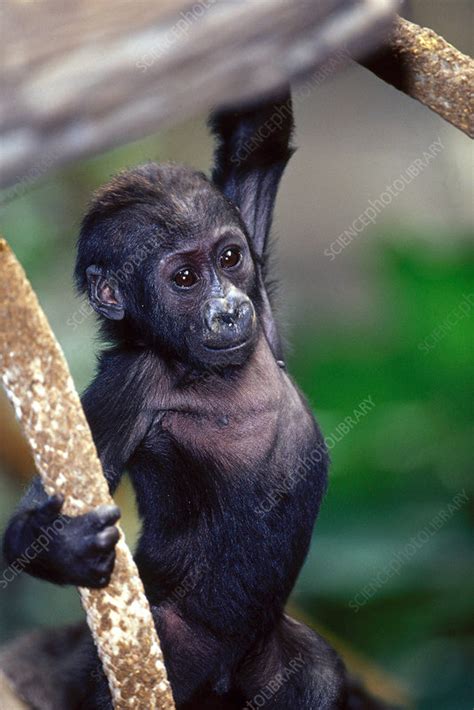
(227, 436)
(239, 422)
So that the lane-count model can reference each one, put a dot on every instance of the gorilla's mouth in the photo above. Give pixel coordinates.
(230, 351)
(230, 347)
(231, 339)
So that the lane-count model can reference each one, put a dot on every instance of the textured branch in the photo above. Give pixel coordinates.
(37, 381)
(423, 65)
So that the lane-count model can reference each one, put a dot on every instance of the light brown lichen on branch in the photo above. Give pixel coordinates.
(37, 381)
(425, 66)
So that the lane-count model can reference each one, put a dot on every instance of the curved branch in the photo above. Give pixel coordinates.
(37, 381)
(423, 65)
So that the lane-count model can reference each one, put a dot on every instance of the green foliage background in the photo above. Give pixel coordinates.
(394, 472)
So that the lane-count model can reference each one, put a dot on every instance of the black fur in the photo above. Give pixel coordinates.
(228, 465)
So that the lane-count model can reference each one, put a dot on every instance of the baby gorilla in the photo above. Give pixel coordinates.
(192, 398)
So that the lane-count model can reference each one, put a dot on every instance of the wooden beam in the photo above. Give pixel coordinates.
(82, 77)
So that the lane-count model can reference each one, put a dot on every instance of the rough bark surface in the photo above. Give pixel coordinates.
(423, 65)
(37, 381)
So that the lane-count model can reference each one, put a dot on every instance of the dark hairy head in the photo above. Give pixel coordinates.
(165, 259)
(175, 261)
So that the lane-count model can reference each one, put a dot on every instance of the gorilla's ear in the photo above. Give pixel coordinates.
(104, 294)
(252, 150)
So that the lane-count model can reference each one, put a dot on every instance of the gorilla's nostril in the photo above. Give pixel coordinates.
(228, 318)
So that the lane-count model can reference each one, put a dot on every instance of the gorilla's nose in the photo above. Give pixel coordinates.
(230, 316)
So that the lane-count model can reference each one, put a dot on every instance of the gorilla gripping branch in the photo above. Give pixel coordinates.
(37, 381)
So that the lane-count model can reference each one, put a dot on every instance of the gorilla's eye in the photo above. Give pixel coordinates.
(185, 278)
(230, 257)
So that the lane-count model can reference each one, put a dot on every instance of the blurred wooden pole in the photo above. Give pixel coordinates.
(15, 454)
(79, 78)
